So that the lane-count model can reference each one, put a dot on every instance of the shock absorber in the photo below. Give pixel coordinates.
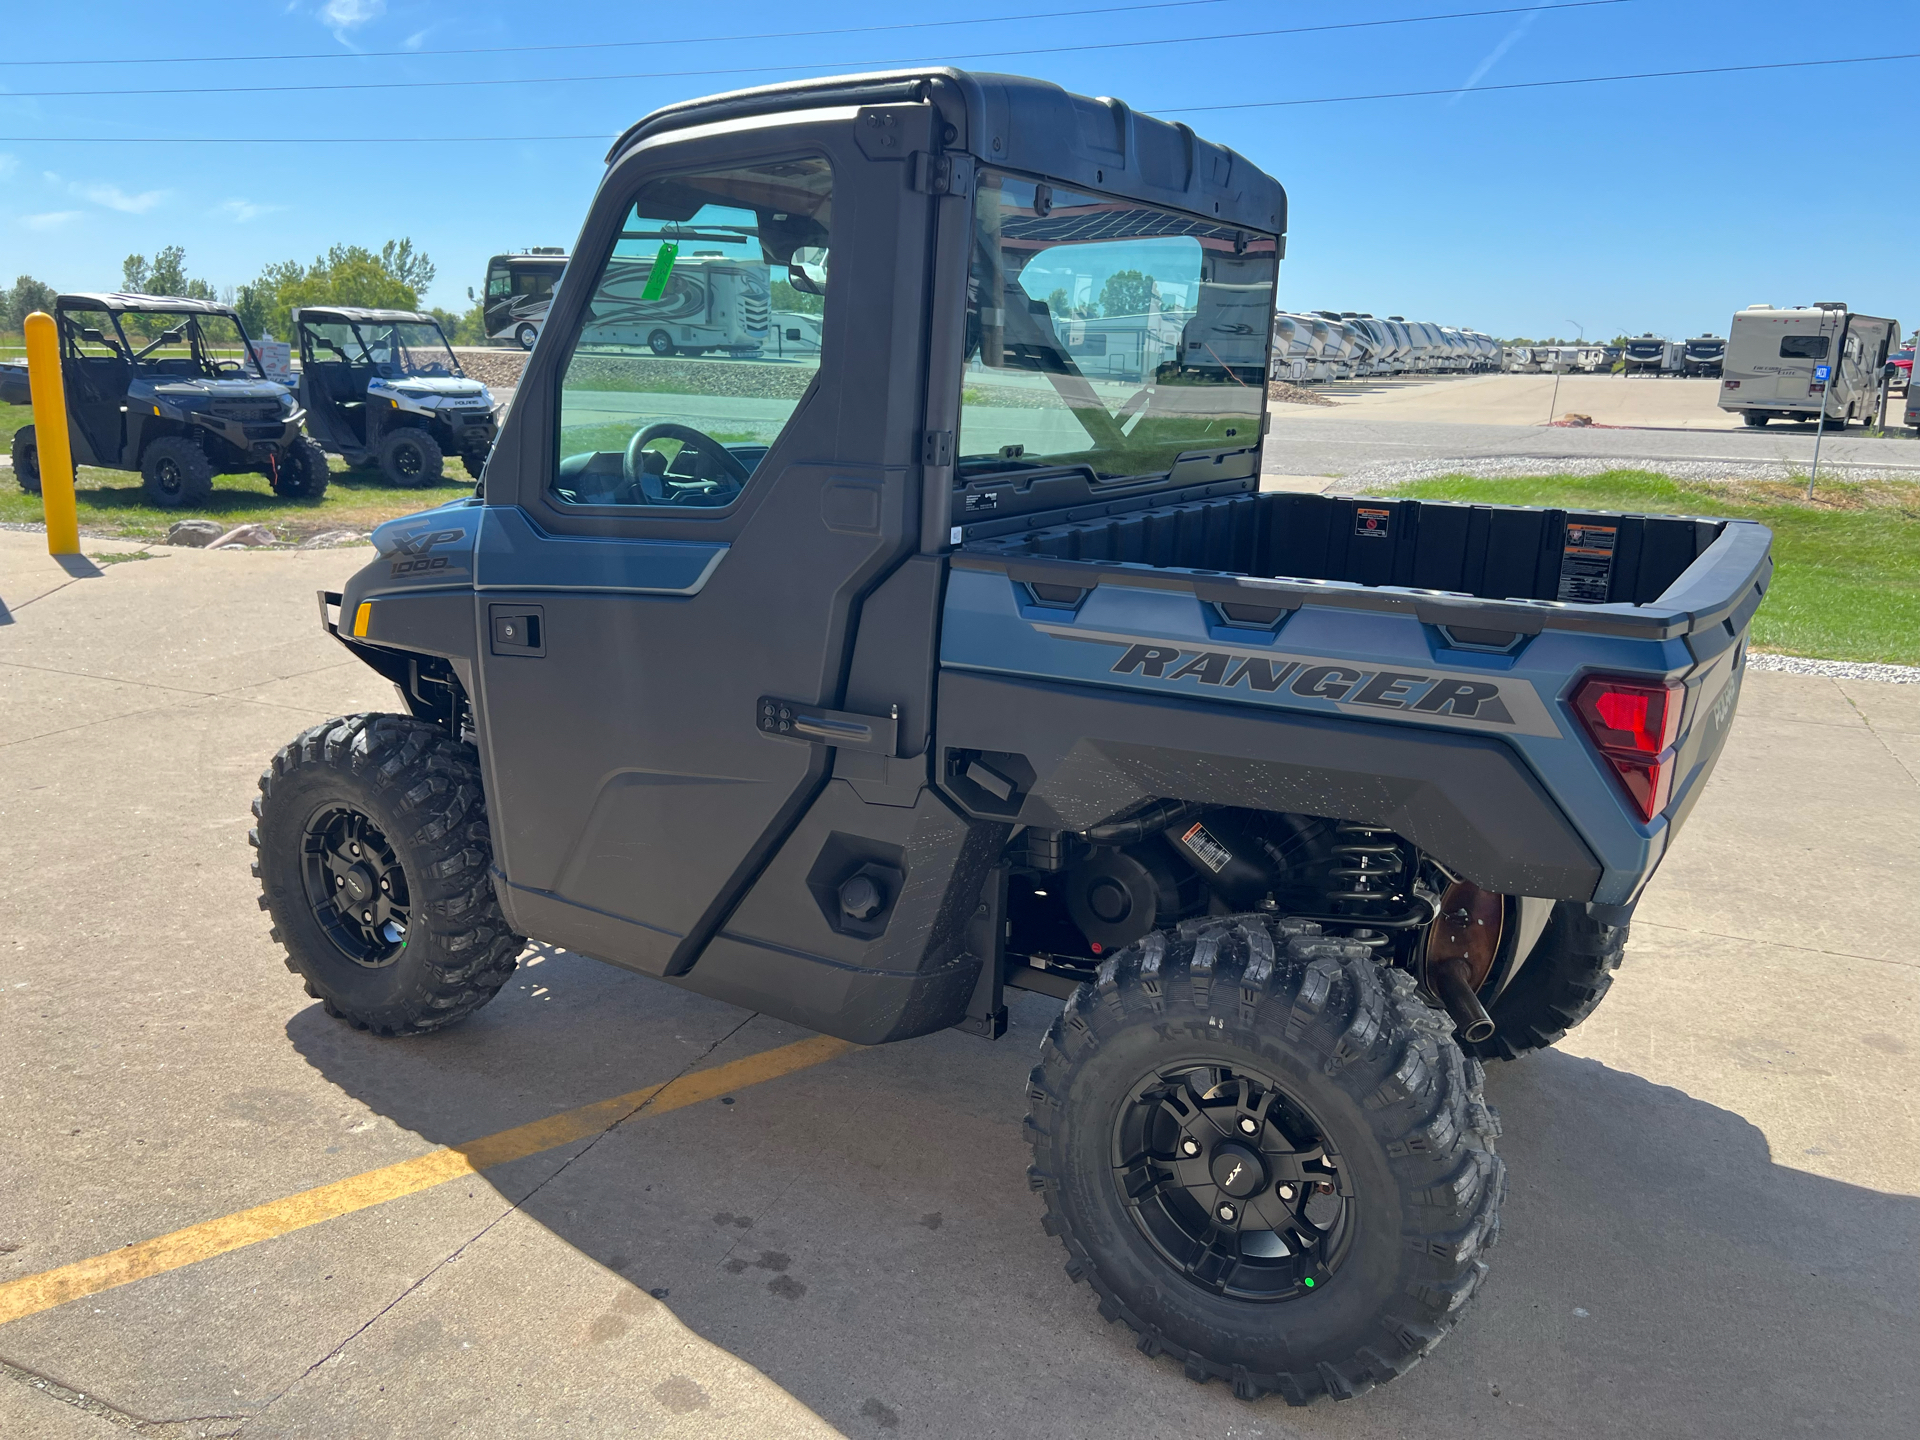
(1372, 877)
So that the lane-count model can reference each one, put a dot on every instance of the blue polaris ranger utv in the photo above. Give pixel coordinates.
(966, 654)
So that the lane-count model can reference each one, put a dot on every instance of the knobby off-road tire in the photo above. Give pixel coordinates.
(175, 472)
(303, 470)
(411, 457)
(407, 799)
(1558, 986)
(1343, 1048)
(475, 461)
(26, 460)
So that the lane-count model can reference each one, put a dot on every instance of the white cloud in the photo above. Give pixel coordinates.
(114, 198)
(242, 211)
(8, 164)
(51, 220)
(341, 16)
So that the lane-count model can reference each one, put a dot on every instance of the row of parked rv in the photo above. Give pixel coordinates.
(1345, 345)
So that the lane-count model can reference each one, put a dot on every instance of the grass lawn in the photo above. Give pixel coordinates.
(1846, 582)
(111, 502)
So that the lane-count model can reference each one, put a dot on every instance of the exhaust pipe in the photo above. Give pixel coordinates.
(1451, 982)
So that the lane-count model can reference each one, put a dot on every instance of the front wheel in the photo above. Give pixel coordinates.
(303, 470)
(176, 472)
(411, 457)
(374, 856)
(525, 336)
(475, 461)
(660, 343)
(1267, 1156)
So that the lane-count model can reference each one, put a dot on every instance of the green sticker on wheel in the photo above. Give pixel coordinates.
(662, 268)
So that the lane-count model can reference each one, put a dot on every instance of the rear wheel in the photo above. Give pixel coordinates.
(1755, 418)
(1267, 1156)
(303, 470)
(1559, 985)
(176, 472)
(26, 460)
(410, 457)
(374, 855)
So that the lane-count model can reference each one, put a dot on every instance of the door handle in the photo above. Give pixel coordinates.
(842, 729)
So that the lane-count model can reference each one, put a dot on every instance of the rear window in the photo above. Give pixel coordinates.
(1803, 347)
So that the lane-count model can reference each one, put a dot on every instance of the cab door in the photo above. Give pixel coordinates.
(670, 539)
(96, 373)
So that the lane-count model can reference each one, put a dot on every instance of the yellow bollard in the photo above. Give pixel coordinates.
(50, 435)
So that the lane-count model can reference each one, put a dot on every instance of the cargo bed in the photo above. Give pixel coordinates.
(1511, 568)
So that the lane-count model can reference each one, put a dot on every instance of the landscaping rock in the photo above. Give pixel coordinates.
(244, 536)
(197, 533)
(1287, 393)
(329, 538)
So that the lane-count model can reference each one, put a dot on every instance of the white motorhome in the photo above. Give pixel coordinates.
(687, 305)
(1773, 354)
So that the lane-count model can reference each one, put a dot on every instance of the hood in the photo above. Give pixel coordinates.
(448, 387)
(178, 390)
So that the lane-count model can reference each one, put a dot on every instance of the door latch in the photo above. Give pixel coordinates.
(842, 729)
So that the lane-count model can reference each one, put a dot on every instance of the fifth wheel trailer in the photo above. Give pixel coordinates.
(1773, 354)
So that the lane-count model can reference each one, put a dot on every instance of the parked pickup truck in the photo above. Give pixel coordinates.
(864, 685)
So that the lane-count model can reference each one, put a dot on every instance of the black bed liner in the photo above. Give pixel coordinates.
(1450, 563)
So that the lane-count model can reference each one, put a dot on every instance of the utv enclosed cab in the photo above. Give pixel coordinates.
(857, 688)
(170, 387)
(383, 387)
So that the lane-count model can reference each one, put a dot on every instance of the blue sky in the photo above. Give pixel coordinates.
(1657, 205)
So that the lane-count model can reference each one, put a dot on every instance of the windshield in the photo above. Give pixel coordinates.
(183, 344)
(1108, 335)
(406, 347)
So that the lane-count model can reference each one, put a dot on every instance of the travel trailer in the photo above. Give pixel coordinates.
(1703, 355)
(1772, 357)
(1650, 355)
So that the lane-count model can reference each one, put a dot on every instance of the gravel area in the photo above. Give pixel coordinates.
(1836, 669)
(1385, 474)
(1288, 393)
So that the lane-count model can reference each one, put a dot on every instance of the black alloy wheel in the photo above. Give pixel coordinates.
(169, 479)
(1233, 1182)
(355, 886)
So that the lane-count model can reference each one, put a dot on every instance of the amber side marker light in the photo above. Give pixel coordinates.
(1633, 723)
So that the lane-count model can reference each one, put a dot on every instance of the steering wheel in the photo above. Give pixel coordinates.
(666, 489)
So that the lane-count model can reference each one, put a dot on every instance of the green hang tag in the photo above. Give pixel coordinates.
(662, 268)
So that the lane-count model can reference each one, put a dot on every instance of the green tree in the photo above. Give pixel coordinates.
(785, 297)
(345, 275)
(26, 296)
(167, 275)
(1127, 292)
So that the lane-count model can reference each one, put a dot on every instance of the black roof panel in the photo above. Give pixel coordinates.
(1030, 125)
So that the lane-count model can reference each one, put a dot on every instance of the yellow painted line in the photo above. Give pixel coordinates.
(31, 1294)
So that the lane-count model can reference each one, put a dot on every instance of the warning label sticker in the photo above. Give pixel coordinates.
(1371, 523)
(1207, 850)
(1586, 564)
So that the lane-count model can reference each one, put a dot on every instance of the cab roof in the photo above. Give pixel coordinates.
(1101, 145)
(117, 301)
(352, 313)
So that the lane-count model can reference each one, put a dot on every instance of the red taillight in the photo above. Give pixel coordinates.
(1634, 724)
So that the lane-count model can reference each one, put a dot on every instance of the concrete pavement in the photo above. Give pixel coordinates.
(1383, 426)
(1716, 1182)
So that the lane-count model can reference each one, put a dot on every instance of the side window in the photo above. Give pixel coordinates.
(90, 335)
(701, 337)
(335, 342)
(1803, 347)
(499, 283)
